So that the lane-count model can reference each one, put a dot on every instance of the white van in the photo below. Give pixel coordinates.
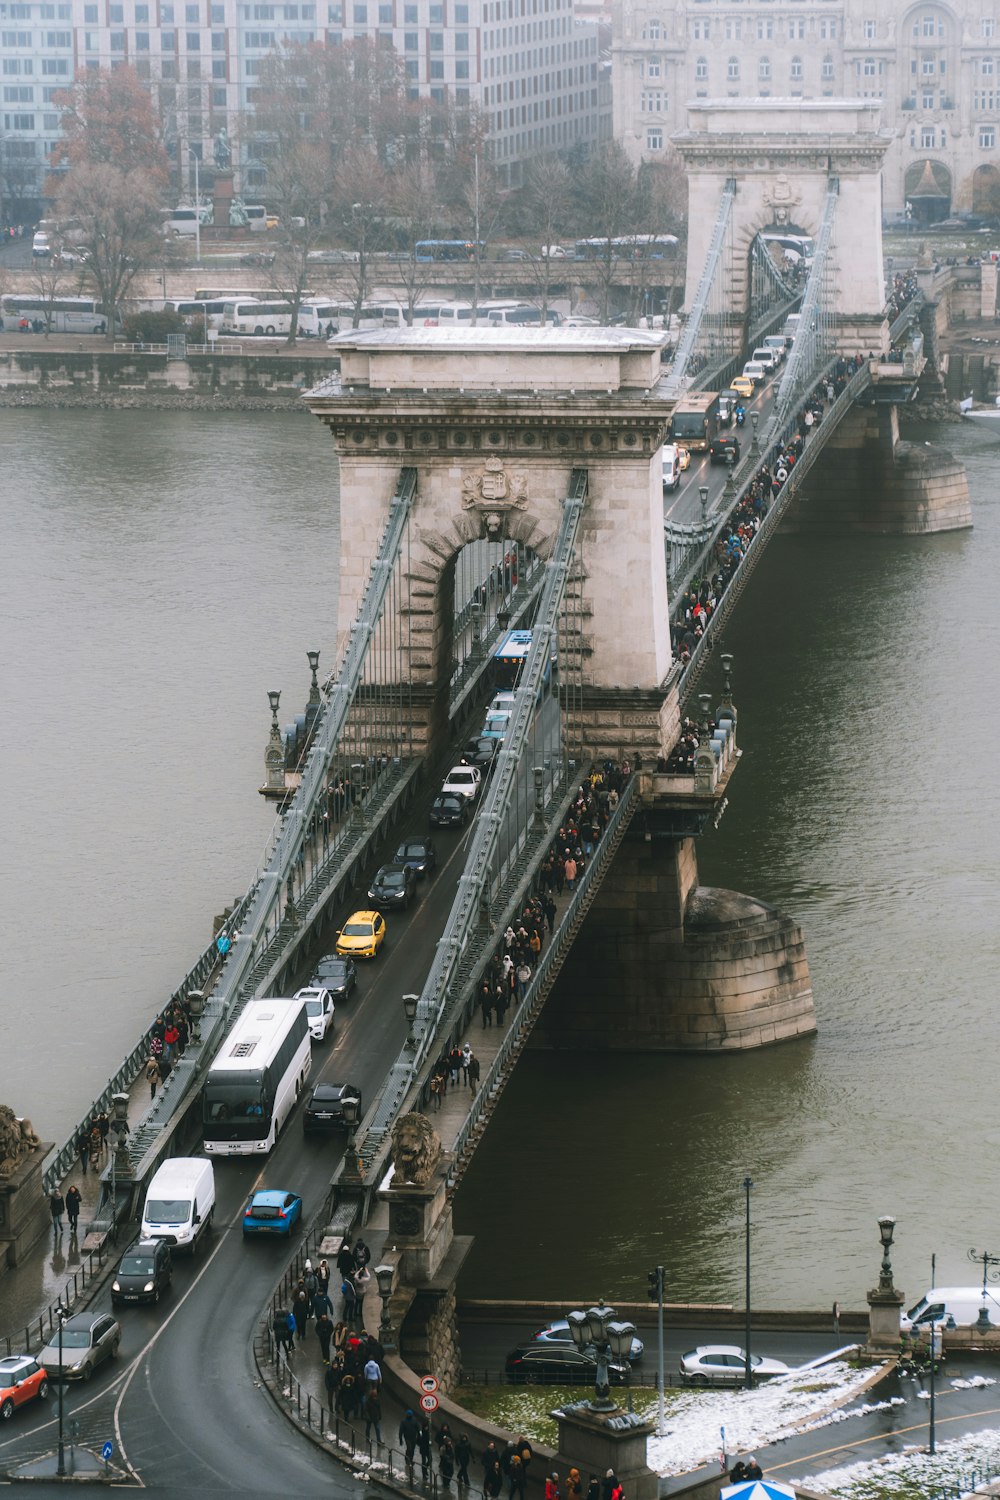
(776, 343)
(180, 1202)
(754, 370)
(791, 327)
(41, 246)
(256, 217)
(951, 1306)
(671, 466)
(765, 356)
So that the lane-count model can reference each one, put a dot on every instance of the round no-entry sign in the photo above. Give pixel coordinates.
(428, 1384)
(429, 1402)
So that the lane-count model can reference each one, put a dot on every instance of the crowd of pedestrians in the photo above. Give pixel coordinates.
(502, 1469)
(168, 1039)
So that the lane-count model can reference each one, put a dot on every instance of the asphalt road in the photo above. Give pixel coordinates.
(181, 1403)
(683, 505)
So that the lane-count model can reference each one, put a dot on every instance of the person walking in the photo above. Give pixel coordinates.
(57, 1205)
(517, 1479)
(446, 1462)
(300, 1312)
(331, 1379)
(474, 1072)
(362, 1254)
(362, 1281)
(349, 1293)
(83, 1148)
(324, 1332)
(104, 1126)
(552, 1487)
(409, 1433)
(463, 1458)
(283, 1328)
(372, 1412)
(72, 1207)
(345, 1259)
(574, 1485)
(492, 1481)
(424, 1447)
(152, 1075)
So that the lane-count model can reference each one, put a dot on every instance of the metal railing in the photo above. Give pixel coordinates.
(811, 336)
(38, 1331)
(685, 347)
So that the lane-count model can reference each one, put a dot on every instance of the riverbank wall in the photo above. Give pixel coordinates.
(71, 373)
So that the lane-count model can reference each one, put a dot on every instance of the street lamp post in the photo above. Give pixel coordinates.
(350, 1168)
(931, 1434)
(991, 1272)
(410, 1003)
(384, 1275)
(886, 1230)
(197, 203)
(62, 1313)
(747, 1373)
(610, 1339)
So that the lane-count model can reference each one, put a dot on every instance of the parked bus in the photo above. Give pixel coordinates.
(316, 318)
(695, 420)
(194, 308)
(446, 249)
(248, 294)
(627, 247)
(255, 1078)
(247, 316)
(58, 314)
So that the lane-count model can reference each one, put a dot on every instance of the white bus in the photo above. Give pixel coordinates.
(256, 1077)
(58, 314)
(256, 317)
(193, 308)
(340, 316)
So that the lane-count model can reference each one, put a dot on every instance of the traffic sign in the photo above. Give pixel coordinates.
(428, 1383)
(107, 1450)
(429, 1403)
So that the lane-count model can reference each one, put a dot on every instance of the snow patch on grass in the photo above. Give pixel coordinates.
(913, 1474)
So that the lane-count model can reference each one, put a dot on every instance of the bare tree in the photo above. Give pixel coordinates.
(544, 208)
(50, 280)
(415, 215)
(360, 212)
(609, 206)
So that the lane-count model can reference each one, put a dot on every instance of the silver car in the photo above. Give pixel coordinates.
(88, 1338)
(725, 1364)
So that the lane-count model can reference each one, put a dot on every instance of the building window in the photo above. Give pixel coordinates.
(219, 67)
(827, 29)
(797, 29)
(927, 99)
(194, 41)
(361, 15)
(410, 15)
(90, 15)
(734, 29)
(928, 137)
(654, 140)
(796, 69)
(986, 27)
(461, 41)
(435, 41)
(826, 71)
(652, 32)
(987, 137)
(701, 67)
(461, 16)
(764, 68)
(870, 31)
(461, 67)
(986, 67)
(412, 68)
(765, 29)
(928, 67)
(435, 15)
(868, 67)
(733, 68)
(142, 41)
(653, 68)
(701, 31)
(437, 68)
(116, 15)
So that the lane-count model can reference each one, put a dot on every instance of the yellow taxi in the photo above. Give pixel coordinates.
(362, 935)
(742, 385)
(683, 457)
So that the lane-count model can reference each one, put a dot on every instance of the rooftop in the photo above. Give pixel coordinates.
(506, 339)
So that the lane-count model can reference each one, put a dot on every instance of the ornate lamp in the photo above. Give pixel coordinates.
(886, 1230)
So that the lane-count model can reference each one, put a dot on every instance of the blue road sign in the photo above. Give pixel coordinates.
(107, 1451)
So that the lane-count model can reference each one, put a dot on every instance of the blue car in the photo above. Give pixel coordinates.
(272, 1211)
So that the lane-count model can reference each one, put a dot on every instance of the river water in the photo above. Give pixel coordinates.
(165, 570)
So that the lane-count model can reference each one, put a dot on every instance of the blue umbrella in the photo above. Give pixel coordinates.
(757, 1489)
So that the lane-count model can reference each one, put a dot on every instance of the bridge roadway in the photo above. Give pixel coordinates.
(182, 1403)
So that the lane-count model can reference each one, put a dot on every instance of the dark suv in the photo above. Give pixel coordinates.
(324, 1109)
(144, 1271)
(721, 447)
(336, 974)
(393, 888)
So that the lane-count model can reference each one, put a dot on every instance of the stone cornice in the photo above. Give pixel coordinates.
(377, 433)
(746, 155)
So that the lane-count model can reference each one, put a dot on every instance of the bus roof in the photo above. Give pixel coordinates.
(696, 400)
(257, 1035)
(515, 643)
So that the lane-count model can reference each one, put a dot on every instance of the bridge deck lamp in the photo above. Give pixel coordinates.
(538, 772)
(410, 1003)
(62, 1313)
(384, 1276)
(592, 1328)
(313, 659)
(703, 497)
(886, 1230)
(754, 423)
(991, 1272)
(748, 1368)
(351, 1169)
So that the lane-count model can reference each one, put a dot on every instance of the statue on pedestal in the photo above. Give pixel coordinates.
(416, 1149)
(17, 1140)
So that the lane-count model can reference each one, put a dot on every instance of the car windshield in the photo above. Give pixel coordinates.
(333, 971)
(74, 1338)
(392, 878)
(411, 851)
(448, 801)
(136, 1265)
(358, 929)
(314, 1007)
(167, 1210)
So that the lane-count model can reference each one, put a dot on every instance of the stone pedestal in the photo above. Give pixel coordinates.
(420, 1226)
(884, 1308)
(24, 1209)
(595, 1442)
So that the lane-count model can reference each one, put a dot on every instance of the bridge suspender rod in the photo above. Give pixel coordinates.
(329, 728)
(685, 348)
(475, 880)
(807, 345)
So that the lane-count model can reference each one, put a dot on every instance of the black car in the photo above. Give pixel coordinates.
(393, 888)
(324, 1109)
(481, 752)
(450, 811)
(720, 448)
(144, 1271)
(419, 854)
(336, 974)
(556, 1364)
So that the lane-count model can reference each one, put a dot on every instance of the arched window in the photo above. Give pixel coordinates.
(701, 67)
(796, 68)
(652, 31)
(733, 69)
(764, 68)
(826, 72)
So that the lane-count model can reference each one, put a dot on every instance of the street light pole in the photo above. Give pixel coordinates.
(197, 205)
(61, 1314)
(747, 1373)
(931, 1432)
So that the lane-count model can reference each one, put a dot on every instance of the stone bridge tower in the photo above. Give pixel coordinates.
(782, 154)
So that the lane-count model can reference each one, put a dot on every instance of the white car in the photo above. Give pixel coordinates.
(503, 703)
(725, 1364)
(319, 1011)
(463, 781)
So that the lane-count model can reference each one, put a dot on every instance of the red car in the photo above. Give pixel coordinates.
(21, 1378)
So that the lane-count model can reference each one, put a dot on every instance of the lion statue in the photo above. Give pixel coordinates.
(416, 1149)
(17, 1139)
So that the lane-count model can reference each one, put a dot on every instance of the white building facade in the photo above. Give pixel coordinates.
(934, 68)
(530, 65)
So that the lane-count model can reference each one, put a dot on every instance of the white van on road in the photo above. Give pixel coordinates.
(952, 1306)
(671, 466)
(180, 1202)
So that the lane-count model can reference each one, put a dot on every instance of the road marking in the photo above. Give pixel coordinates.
(881, 1437)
